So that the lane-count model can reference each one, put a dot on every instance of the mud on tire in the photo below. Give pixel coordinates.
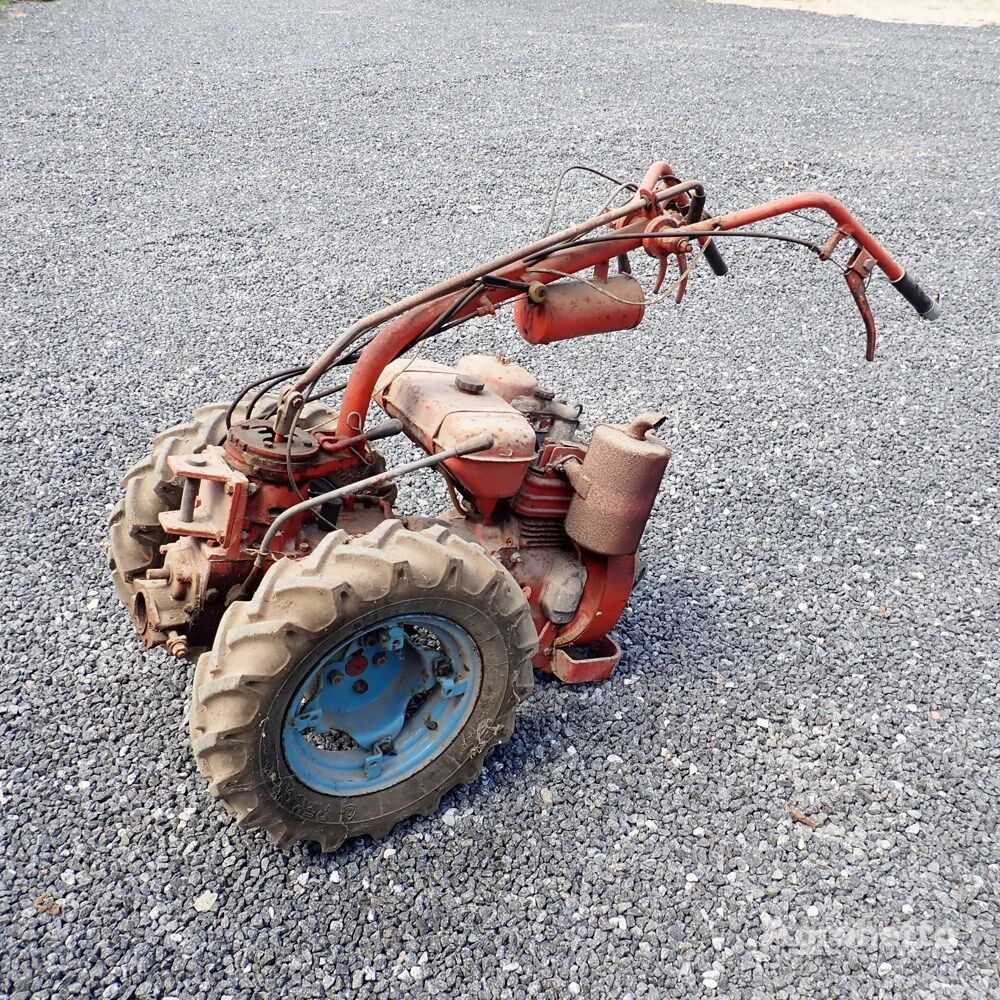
(243, 686)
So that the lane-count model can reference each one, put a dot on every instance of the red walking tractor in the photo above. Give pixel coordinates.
(358, 662)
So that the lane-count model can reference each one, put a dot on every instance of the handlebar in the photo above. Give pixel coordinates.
(927, 306)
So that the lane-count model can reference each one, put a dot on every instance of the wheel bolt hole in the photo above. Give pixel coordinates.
(361, 686)
(443, 668)
(430, 723)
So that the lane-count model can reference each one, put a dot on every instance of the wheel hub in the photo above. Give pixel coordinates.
(382, 705)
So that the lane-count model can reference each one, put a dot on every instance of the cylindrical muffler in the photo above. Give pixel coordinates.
(616, 486)
(577, 308)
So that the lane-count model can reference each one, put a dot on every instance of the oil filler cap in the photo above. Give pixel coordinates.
(472, 384)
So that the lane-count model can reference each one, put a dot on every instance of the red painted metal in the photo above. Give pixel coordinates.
(859, 267)
(439, 415)
(576, 308)
(843, 219)
(609, 586)
(402, 332)
(565, 517)
(500, 374)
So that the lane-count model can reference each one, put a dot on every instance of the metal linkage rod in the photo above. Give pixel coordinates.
(481, 442)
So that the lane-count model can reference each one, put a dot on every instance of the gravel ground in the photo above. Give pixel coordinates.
(194, 192)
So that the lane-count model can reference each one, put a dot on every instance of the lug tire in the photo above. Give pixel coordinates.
(135, 535)
(262, 648)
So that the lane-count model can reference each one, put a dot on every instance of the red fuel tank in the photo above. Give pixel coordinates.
(441, 407)
(577, 308)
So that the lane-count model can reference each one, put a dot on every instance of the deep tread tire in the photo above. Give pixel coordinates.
(261, 652)
(135, 535)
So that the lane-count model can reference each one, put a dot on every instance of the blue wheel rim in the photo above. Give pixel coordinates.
(382, 705)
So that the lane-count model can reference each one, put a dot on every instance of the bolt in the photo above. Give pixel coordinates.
(334, 677)
(430, 724)
(381, 660)
(361, 686)
(385, 747)
(177, 645)
(304, 546)
(371, 639)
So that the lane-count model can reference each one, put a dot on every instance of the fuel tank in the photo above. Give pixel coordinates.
(441, 407)
(615, 486)
(576, 308)
(500, 374)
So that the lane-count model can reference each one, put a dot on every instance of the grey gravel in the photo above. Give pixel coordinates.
(194, 192)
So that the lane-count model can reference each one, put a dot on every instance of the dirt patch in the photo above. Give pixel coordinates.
(969, 13)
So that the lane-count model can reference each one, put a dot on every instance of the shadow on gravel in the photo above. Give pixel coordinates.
(534, 728)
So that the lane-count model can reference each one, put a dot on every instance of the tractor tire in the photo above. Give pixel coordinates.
(135, 535)
(400, 587)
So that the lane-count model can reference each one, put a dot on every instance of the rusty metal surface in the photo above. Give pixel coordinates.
(564, 517)
(218, 503)
(576, 308)
(439, 416)
(615, 487)
(859, 267)
(586, 664)
(501, 375)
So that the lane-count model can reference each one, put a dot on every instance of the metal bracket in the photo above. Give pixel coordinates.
(213, 498)
(859, 267)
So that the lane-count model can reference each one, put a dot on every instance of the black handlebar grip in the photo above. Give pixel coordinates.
(719, 267)
(927, 307)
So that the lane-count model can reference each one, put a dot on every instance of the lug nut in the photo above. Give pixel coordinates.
(443, 668)
(381, 660)
(357, 664)
(361, 686)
